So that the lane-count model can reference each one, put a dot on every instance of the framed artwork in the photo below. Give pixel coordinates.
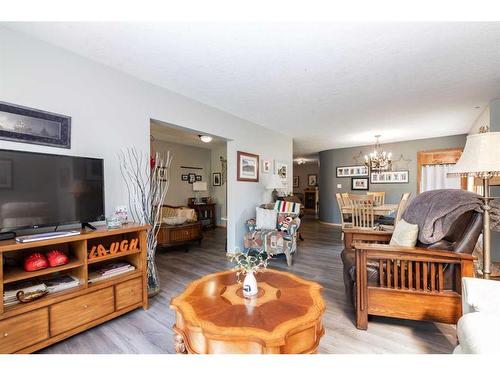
(184, 177)
(28, 125)
(216, 179)
(281, 169)
(5, 174)
(359, 183)
(352, 171)
(248, 167)
(390, 177)
(198, 177)
(266, 166)
(312, 179)
(295, 181)
(191, 178)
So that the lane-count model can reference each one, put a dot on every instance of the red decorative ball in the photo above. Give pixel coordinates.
(57, 258)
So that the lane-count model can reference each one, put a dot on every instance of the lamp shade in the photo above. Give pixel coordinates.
(481, 156)
(275, 182)
(199, 186)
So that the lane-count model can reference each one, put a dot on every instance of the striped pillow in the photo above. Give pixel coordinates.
(287, 207)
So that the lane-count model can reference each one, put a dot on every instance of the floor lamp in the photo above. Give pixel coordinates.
(481, 158)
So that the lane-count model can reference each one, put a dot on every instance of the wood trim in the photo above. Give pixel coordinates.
(238, 177)
(437, 157)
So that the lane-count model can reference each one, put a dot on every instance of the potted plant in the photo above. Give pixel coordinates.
(248, 264)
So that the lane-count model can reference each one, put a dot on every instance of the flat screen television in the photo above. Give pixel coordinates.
(42, 190)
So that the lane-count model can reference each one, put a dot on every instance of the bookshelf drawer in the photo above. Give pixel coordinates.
(24, 330)
(81, 310)
(128, 293)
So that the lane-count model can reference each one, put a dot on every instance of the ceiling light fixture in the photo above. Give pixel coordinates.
(378, 160)
(205, 138)
(301, 161)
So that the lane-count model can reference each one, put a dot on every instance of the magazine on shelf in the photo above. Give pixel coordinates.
(109, 270)
(61, 282)
(10, 292)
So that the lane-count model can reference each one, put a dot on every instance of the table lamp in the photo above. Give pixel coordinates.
(481, 158)
(197, 187)
(276, 183)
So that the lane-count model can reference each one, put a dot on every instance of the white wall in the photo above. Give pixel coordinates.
(111, 110)
(482, 120)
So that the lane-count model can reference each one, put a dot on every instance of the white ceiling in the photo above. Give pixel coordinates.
(328, 85)
(165, 132)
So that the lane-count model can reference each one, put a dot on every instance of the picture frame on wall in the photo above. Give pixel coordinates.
(390, 177)
(295, 181)
(184, 177)
(281, 169)
(216, 179)
(191, 178)
(29, 125)
(248, 167)
(359, 183)
(352, 171)
(312, 180)
(199, 177)
(266, 166)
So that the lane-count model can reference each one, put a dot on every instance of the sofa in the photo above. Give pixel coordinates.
(282, 239)
(478, 329)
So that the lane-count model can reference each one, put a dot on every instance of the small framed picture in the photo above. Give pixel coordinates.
(184, 177)
(266, 166)
(352, 171)
(281, 169)
(312, 180)
(248, 167)
(390, 177)
(216, 179)
(198, 177)
(359, 183)
(295, 181)
(191, 178)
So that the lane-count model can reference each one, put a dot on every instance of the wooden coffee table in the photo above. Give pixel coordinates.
(213, 317)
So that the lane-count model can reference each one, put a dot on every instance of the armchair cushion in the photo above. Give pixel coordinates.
(405, 234)
(480, 295)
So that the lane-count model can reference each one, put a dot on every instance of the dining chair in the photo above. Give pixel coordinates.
(362, 211)
(344, 223)
(388, 222)
(345, 198)
(378, 197)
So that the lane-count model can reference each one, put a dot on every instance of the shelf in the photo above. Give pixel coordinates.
(19, 306)
(128, 274)
(12, 274)
(112, 256)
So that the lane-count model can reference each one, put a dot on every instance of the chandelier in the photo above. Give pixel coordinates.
(378, 160)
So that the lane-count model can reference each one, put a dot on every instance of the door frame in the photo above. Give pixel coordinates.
(436, 157)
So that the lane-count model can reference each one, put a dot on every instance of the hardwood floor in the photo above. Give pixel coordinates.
(318, 259)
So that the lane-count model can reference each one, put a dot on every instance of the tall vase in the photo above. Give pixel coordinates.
(153, 278)
(250, 285)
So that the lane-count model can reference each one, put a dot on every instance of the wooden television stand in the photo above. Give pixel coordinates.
(27, 327)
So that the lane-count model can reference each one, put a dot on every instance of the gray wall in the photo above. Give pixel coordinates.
(303, 171)
(330, 159)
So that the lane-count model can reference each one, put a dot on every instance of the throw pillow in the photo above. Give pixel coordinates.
(284, 221)
(266, 219)
(405, 234)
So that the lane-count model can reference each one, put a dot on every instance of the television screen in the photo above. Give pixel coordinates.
(47, 190)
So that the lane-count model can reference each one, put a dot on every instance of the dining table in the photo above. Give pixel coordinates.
(380, 210)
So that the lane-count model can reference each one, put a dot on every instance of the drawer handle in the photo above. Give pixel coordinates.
(6, 334)
(85, 306)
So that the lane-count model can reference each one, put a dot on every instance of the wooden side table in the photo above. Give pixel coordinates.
(213, 317)
(205, 212)
(174, 235)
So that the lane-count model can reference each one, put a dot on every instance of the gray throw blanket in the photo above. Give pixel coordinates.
(435, 211)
